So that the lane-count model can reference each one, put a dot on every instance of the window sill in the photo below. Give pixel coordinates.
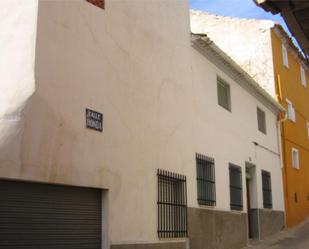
(237, 211)
(264, 133)
(182, 239)
(268, 209)
(206, 206)
(292, 121)
(226, 109)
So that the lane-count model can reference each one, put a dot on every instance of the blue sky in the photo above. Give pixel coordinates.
(235, 8)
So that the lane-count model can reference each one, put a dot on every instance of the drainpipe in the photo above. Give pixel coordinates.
(281, 135)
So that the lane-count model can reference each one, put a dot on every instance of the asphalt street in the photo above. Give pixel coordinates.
(296, 238)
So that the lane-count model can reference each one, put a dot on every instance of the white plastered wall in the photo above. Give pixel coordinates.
(122, 62)
(17, 42)
(134, 63)
(229, 136)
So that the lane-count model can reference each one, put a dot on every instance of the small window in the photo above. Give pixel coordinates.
(295, 158)
(261, 120)
(172, 205)
(224, 98)
(303, 76)
(285, 56)
(98, 3)
(205, 173)
(236, 199)
(291, 111)
(266, 183)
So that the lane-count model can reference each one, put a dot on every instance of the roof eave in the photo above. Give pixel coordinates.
(201, 41)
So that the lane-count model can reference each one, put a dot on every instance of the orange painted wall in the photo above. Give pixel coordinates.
(294, 135)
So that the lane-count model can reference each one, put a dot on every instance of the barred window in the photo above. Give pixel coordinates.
(205, 172)
(266, 183)
(172, 205)
(236, 199)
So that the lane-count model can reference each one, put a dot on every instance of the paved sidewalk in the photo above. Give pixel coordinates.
(296, 238)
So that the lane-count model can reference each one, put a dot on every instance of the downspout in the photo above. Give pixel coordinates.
(281, 143)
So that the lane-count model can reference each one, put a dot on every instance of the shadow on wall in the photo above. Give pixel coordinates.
(12, 120)
(22, 146)
(17, 42)
(31, 134)
(38, 143)
(42, 141)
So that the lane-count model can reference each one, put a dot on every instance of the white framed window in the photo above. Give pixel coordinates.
(295, 158)
(261, 120)
(303, 76)
(291, 111)
(285, 56)
(224, 94)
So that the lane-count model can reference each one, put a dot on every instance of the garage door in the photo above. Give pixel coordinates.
(41, 216)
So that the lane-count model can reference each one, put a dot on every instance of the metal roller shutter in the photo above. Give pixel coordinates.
(42, 216)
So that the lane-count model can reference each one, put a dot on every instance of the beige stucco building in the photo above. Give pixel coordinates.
(169, 101)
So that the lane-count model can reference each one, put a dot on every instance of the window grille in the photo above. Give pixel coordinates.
(224, 98)
(261, 120)
(236, 199)
(205, 172)
(266, 183)
(172, 205)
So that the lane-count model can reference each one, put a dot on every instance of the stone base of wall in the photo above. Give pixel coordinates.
(270, 222)
(210, 229)
(162, 245)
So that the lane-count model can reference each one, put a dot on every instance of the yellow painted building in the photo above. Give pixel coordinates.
(292, 88)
